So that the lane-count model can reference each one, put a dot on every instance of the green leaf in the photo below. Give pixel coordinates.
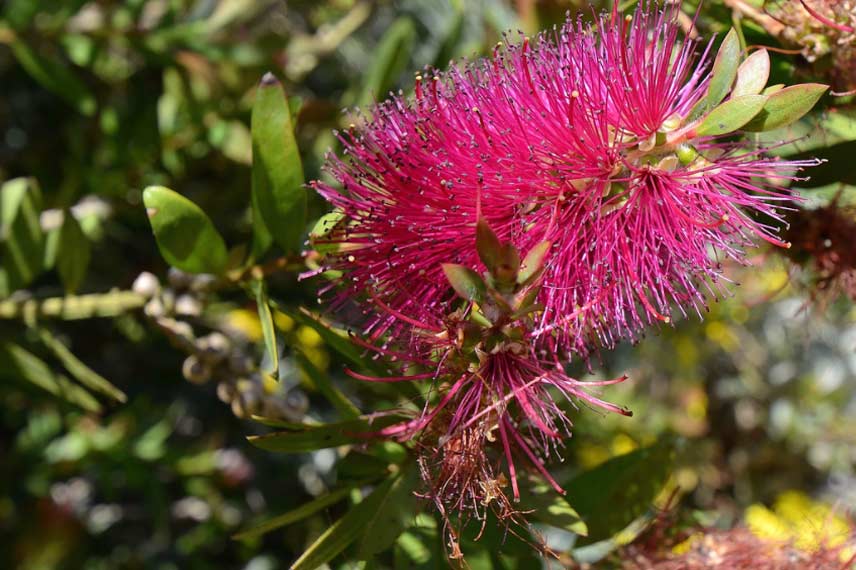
(615, 493)
(325, 226)
(731, 115)
(335, 338)
(785, 106)
(322, 436)
(22, 242)
(262, 239)
(277, 170)
(81, 372)
(325, 386)
(186, 237)
(466, 282)
(359, 465)
(395, 511)
(74, 253)
(55, 76)
(752, 75)
(18, 364)
(533, 262)
(724, 70)
(300, 513)
(550, 508)
(390, 57)
(345, 530)
(268, 330)
(488, 245)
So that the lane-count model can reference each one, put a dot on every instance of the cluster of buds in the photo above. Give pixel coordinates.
(822, 28)
(607, 154)
(216, 356)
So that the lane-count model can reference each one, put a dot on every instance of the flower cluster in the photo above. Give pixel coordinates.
(539, 204)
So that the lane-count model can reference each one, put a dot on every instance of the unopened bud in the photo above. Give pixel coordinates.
(188, 305)
(146, 284)
(195, 370)
(213, 347)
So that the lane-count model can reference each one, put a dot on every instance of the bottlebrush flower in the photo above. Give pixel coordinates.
(493, 407)
(611, 141)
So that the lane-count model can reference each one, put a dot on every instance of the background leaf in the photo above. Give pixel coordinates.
(22, 241)
(277, 170)
(613, 494)
(186, 236)
(74, 252)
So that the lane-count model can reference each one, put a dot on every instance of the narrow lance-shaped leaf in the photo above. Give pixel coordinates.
(22, 241)
(303, 511)
(185, 236)
(785, 106)
(752, 75)
(74, 253)
(724, 69)
(466, 282)
(277, 170)
(392, 515)
(345, 530)
(322, 436)
(77, 368)
(268, 331)
(731, 115)
(18, 364)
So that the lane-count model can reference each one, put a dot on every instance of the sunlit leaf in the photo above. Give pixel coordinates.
(724, 69)
(786, 106)
(731, 115)
(549, 507)
(533, 262)
(466, 282)
(277, 169)
(268, 330)
(752, 75)
(185, 236)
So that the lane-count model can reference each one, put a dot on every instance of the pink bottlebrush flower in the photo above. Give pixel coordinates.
(583, 139)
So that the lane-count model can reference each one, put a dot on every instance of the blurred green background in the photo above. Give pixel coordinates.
(103, 98)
